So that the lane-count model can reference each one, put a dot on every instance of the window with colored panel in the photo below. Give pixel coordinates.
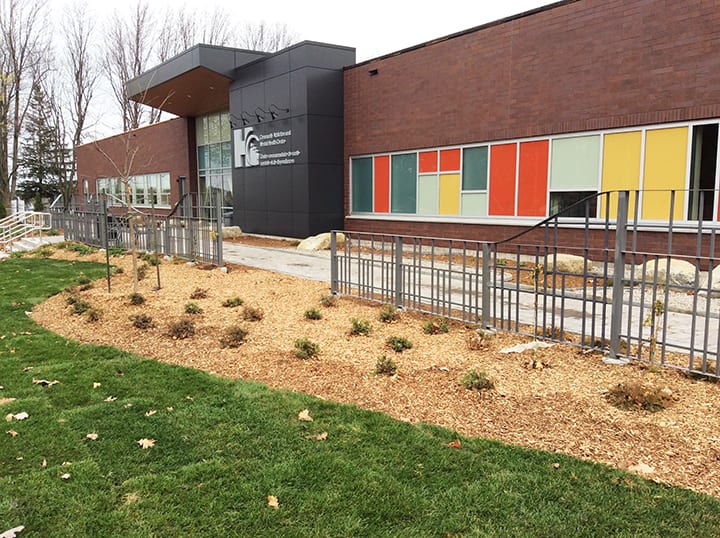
(574, 174)
(622, 154)
(475, 169)
(449, 160)
(362, 178)
(450, 194)
(427, 194)
(473, 204)
(665, 170)
(382, 184)
(428, 162)
(503, 169)
(532, 179)
(403, 183)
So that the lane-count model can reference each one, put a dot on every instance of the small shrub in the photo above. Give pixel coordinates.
(193, 308)
(93, 314)
(359, 327)
(389, 313)
(313, 314)
(479, 381)
(16, 254)
(80, 306)
(252, 313)
(72, 298)
(233, 302)
(81, 249)
(52, 232)
(136, 299)
(142, 321)
(234, 337)
(306, 349)
(86, 287)
(83, 279)
(142, 271)
(199, 293)
(480, 339)
(151, 258)
(633, 395)
(385, 366)
(116, 250)
(183, 328)
(328, 300)
(43, 252)
(435, 326)
(117, 270)
(398, 343)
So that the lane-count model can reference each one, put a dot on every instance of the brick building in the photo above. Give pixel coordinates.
(472, 135)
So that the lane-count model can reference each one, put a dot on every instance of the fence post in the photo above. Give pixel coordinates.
(218, 228)
(187, 223)
(333, 263)
(485, 323)
(616, 309)
(398, 271)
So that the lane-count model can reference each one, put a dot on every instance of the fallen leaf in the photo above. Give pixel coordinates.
(65, 464)
(92, 436)
(556, 465)
(19, 458)
(17, 416)
(27, 368)
(170, 408)
(273, 502)
(44, 463)
(45, 382)
(6, 400)
(65, 476)
(146, 443)
(97, 385)
(11, 533)
(304, 416)
(455, 444)
(9, 417)
(127, 405)
(321, 436)
(111, 398)
(12, 433)
(150, 413)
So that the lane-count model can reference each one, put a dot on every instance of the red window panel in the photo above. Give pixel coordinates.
(503, 160)
(381, 189)
(532, 179)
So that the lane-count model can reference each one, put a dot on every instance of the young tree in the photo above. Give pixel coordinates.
(265, 37)
(23, 49)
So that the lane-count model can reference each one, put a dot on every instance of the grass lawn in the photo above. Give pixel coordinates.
(222, 447)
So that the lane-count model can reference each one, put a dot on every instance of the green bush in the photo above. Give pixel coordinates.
(633, 395)
(142, 271)
(234, 337)
(181, 329)
(385, 366)
(359, 327)
(93, 314)
(193, 308)
(313, 314)
(479, 381)
(398, 343)
(151, 258)
(306, 349)
(116, 250)
(252, 313)
(142, 321)
(435, 326)
(199, 293)
(136, 299)
(328, 300)
(233, 302)
(80, 306)
(389, 313)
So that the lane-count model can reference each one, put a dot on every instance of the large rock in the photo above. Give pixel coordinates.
(320, 242)
(681, 273)
(567, 263)
(231, 232)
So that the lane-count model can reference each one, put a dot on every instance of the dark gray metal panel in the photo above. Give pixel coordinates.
(298, 93)
(277, 92)
(255, 222)
(324, 91)
(251, 74)
(252, 97)
(325, 134)
(324, 222)
(278, 64)
(255, 190)
(326, 187)
(313, 54)
(300, 189)
(279, 188)
(300, 225)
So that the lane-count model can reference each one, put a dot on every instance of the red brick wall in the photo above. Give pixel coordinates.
(161, 147)
(583, 65)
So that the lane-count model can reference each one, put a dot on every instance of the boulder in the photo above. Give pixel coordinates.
(567, 263)
(231, 232)
(319, 242)
(681, 273)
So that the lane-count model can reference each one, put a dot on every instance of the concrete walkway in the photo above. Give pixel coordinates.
(310, 265)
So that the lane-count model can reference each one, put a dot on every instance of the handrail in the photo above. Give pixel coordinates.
(22, 224)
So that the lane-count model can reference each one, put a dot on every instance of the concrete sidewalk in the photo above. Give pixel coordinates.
(310, 265)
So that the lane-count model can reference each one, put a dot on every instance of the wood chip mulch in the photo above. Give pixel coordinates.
(559, 406)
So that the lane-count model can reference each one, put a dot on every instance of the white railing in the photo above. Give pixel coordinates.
(22, 224)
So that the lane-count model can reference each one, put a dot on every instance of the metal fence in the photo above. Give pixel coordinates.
(616, 294)
(187, 232)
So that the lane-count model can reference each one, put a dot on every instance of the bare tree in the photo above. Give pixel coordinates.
(266, 37)
(129, 47)
(23, 47)
(80, 73)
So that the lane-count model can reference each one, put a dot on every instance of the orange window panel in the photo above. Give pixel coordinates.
(503, 163)
(428, 161)
(450, 160)
(381, 173)
(532, 179)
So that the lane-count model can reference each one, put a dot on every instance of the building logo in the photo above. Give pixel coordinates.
(247, 148)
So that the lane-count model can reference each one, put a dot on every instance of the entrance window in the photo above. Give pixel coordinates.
(702, 172)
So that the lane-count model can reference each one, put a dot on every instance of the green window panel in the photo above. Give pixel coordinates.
(403, 195)
(473, 204)
(475, 169)
(575, 163)
(362, 182)
(427, 195)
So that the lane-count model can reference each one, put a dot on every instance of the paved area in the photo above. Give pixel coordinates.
(311, 265)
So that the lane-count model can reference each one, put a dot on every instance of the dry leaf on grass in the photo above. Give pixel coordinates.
(146, 443)
(111, 398)
(304, 416)
(6, 400)
(45, 382)
(273, 502)
(455, 444)
(43, 464)
(97, 385)
(321, 436)
(150, 413)
(92, 436)
(11, 533)
(65, 476)
(17, 416)
(556, 465)
(12, 433)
